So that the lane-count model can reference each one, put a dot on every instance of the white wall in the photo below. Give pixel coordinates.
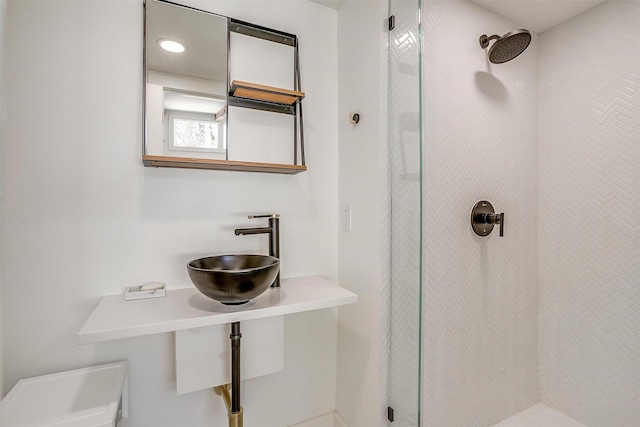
(359, 28)
(480, 293)
(589, 226)
(82, 218)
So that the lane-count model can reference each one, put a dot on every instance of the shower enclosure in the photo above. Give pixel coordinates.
(546, 318)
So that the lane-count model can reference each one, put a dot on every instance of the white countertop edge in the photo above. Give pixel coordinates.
(345, 297)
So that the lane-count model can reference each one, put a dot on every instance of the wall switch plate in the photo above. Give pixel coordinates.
(345, 218)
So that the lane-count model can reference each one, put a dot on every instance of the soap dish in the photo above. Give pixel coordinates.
(148, 290)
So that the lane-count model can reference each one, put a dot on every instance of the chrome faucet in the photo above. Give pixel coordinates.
(274, 237)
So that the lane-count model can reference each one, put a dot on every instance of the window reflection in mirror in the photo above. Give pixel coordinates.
(186, 85)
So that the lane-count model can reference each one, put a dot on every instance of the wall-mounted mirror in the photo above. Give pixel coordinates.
(186, 82)
(186, 93)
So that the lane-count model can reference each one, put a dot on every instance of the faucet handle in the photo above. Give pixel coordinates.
(264, 216)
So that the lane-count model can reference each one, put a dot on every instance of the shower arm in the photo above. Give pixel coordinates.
(484, 40)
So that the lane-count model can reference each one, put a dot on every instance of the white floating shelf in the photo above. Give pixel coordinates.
(114, 318)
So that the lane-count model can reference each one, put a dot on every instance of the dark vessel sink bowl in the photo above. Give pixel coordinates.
(233, 279)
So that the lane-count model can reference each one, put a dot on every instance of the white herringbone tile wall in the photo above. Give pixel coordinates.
(589, 225)
(480, 293)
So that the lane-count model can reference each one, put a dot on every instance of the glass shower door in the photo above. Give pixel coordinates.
(404, 182)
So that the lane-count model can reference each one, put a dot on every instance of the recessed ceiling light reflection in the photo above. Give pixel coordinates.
(171, 46)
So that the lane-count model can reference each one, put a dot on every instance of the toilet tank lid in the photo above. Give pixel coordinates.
(81, 397)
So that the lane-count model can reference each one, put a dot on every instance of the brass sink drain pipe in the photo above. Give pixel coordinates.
(231, 392)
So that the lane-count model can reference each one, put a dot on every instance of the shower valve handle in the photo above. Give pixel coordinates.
(483, 219)
(494, 219)
(497, 219)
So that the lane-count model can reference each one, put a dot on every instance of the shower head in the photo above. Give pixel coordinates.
(506, 47)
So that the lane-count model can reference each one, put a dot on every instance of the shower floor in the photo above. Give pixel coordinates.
(539, 415)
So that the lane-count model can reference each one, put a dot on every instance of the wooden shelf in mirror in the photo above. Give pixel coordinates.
(228, 165)
(264, 93)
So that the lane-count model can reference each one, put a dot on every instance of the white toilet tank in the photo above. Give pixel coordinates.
(88, 397)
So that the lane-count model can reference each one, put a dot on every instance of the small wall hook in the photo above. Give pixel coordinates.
(354, 118)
